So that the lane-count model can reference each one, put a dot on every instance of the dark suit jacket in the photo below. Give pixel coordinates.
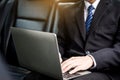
(103, 39)
(8, 10)
(7, 18)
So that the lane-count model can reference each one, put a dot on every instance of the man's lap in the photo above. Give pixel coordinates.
(94, 76)
(91, 76)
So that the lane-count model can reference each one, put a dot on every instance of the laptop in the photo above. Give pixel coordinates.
(38, 51)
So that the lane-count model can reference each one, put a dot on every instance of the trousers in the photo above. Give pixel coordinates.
(91, 76)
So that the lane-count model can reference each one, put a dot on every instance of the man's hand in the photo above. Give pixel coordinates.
(78, 63)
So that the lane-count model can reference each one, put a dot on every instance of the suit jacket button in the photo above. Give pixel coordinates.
(87, 52)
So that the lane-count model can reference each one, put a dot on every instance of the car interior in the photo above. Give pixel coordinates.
(40, 15)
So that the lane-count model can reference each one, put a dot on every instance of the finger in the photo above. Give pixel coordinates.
(68, 60)
(76, 69)
(66, 63)
(68, 67)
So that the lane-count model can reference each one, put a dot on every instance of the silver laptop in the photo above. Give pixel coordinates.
(38, 51)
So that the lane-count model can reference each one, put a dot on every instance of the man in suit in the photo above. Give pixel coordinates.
(95, 48)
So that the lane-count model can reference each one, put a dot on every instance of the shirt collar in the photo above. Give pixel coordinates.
(95, 4)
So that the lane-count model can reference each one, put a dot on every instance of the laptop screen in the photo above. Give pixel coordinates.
(37, 51)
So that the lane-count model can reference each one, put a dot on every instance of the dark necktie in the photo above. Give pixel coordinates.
(89, 18)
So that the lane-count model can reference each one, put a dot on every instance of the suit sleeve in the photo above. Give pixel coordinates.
(108, 58)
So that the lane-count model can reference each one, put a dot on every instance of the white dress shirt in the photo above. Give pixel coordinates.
(87, 4)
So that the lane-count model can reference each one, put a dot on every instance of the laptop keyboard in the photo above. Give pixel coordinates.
(70, 76)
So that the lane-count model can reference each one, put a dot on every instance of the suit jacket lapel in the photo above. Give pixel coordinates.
(80, 19)
(102, 7)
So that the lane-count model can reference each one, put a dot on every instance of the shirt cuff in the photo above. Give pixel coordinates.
(94, 62)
